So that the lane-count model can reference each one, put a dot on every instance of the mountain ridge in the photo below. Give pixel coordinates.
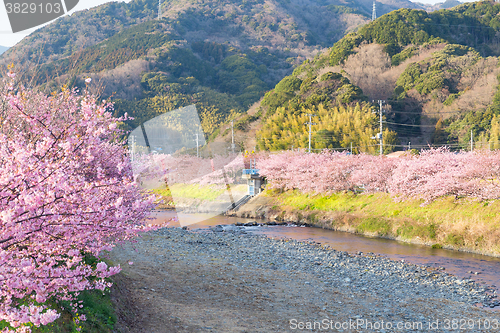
(222, 55)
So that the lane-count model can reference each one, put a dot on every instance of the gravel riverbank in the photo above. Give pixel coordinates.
(224, 280)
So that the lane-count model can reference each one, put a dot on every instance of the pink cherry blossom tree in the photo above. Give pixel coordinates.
(160, 169)
(66, 191)
(433, 174)
(438, 172)
(326, 172)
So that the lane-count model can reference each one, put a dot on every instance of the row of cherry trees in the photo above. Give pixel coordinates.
(432, 174)
(66, 192)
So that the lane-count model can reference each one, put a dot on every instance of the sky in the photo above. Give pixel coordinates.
(7, 38)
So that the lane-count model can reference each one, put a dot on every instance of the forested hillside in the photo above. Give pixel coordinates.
(438, 73)
(221, 55)
(341, 112)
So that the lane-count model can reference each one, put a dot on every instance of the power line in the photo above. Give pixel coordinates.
(455, 25)
(427, 113)
(413, 128)
(414, 146)
(429, 145)
(411, 132)
(445, 145)
(390, 123)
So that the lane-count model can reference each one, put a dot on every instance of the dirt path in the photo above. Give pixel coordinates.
(161, 293)
(170, 288)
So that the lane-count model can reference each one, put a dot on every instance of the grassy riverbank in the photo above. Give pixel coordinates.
(462, 224)
(457, 223)
(186, 193)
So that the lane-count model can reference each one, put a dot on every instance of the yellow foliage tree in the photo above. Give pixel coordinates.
(336, 127)
(495, 133)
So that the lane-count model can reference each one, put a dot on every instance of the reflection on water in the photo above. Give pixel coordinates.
(454, 262)
(194, 221)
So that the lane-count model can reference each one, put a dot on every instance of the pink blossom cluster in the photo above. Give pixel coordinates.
(188, 169)
(437, 172)
(326, 172)
(66, 191)
(432, 174)
(228, 171)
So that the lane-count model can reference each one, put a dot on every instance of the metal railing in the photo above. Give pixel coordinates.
(250, 171)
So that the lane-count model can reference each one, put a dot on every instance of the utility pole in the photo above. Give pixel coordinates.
(374, 12)
(159, 9)
(197, 145)
(310, 123)
(351, 148)
(379, 135)
(471, 141)
(232, 135)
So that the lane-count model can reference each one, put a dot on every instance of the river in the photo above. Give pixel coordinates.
(482, 269)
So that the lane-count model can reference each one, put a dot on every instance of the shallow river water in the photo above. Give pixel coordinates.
(482, 269)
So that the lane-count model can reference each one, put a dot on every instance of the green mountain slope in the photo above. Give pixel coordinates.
(437, 71)
(289, 24)
(73, 33)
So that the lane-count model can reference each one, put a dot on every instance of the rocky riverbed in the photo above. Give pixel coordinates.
(224, 280)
